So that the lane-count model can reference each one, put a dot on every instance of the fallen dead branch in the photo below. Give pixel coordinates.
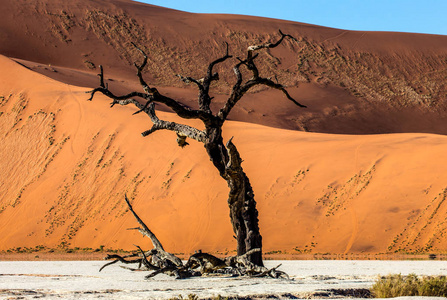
(158, 261)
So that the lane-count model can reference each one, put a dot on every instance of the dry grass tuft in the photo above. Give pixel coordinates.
(412, 285)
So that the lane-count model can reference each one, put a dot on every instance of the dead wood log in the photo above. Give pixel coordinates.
(208, 263)
(119, 258)
(159, 261)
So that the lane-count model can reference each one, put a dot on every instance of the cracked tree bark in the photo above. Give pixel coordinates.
(225, 157)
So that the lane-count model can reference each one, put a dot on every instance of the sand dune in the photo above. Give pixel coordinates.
(353, 82)
(67, 162)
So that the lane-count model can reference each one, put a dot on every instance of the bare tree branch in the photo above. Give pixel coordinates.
(183, 130)
(210, 76)
(115, 98)
(151, 95)
(145, 261)
(119, 258)
(204, 97)
(268, 82)
(104, 89)
(188, 80)
(271, 45)
(240, 89)
(159, 251)
(101, 77)
(140, 68)
(144, 230)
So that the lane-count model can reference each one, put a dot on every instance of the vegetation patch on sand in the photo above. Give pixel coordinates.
(396, 285)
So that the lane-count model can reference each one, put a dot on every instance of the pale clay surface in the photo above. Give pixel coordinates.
(81, 279)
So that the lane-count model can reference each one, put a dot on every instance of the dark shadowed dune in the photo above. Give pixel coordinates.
(352, 81)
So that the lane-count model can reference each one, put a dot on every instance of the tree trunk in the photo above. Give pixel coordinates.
(244, 217)
(243, 212)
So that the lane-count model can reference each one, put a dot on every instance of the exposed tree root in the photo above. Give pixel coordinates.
(159, 261)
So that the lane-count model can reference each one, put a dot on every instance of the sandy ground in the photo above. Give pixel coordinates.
(81, 279)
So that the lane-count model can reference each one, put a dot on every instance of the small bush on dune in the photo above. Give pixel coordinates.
(411, 285)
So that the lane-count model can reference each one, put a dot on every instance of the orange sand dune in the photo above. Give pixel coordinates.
(66, 164)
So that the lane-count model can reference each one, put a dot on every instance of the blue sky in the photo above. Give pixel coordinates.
(429, 16)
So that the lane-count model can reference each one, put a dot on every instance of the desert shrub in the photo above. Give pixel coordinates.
(396, 285)
(434, 286)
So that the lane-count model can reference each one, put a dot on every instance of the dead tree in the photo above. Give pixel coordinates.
(224, 156)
